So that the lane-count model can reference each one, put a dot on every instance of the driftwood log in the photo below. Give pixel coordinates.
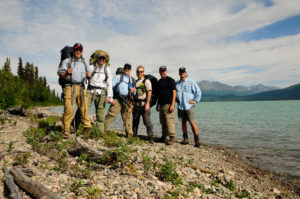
(202, 169)
(82, 148)
(8, 153)
(35, 189)
(14, 191)
(17, 111)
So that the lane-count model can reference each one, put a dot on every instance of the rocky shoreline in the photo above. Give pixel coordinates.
(139, 170)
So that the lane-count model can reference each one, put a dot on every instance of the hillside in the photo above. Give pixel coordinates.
(219, 89)
(289, 93)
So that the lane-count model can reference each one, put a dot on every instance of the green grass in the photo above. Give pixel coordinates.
(111, 139)
(168, 173)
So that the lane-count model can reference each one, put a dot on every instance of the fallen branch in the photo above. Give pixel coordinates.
(92, 154)
(11, 152)
(35, 189)
(10, 184)
(11, 130)
(202, 169)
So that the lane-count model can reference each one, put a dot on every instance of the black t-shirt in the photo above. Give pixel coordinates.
(165, 90)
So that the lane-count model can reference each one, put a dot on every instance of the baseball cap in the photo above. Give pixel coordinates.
(77, 46)
(182, 70)
(127, 66)
(162, 68)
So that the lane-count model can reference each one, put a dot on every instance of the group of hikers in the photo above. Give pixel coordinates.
(86, 84)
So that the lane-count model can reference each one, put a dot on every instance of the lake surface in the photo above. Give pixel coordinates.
(267, 133)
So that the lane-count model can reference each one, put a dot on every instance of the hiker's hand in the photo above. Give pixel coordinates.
(171, 108)
(88, 75)
(192, 102)
(69, 71)
(112, 102)
(132, 90)
(147, 106)
(107, 99)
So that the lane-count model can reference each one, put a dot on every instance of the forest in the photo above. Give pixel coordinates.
(26, 89)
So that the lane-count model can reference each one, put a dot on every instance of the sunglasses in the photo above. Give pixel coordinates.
(101, 57)
(139, 71)
(78, 49)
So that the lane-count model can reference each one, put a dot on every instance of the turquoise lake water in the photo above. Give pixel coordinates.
(266, 133)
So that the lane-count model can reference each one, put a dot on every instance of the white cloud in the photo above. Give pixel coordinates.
(11, 15)
(173, 33)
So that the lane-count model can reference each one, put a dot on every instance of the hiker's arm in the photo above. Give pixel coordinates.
(148, 86)
(197, 93)
(109, 97)
(64, 70)
(172, 106)
(89, 71)
(147, 105)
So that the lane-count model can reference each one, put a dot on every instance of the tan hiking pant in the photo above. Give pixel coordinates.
(167, 120)
(114, 111)
(75, 94)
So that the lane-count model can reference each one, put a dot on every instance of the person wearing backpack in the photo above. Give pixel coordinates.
(188, 94)
(75, 71)
(124, 90)
(142, 103)
(165, 106)
(100, 88)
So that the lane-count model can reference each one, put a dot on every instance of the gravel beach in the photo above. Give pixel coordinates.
(148, 170)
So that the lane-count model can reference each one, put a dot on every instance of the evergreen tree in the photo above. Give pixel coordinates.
(20, 69)
(32, 73)
(27, 72)
(34, 91)
(44, 81)
(6, 66)
(36, 74)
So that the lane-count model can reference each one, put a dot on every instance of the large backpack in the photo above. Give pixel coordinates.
(67, 53)
(116, 87)
(154, 83)
(93, 58)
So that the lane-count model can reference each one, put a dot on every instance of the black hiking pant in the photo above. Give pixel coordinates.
(139, 111)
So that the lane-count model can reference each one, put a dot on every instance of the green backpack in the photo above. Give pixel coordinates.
(93, 58)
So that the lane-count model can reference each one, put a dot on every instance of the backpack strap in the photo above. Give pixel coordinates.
(105, 71)
(83, 61)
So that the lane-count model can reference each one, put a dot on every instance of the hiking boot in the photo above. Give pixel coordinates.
(129, 135)
(65, 135)
(151, 139)
(185, 140)
(171, 140)
(87, 131)
(197, 141)
(72, 131)
(162, 139)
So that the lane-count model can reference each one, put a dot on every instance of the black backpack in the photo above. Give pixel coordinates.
(119, 71)
(154, 83)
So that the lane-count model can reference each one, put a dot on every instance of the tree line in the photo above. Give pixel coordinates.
(26, 89)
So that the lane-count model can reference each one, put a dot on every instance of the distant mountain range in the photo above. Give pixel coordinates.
(289, 93)
(209, 88)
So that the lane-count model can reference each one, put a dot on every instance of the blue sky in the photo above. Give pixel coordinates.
(235, 42)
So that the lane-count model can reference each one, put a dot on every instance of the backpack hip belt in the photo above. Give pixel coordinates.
(90, 87)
